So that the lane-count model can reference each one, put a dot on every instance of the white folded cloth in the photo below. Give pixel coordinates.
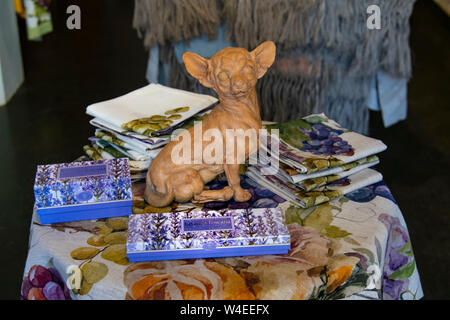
(153, 99)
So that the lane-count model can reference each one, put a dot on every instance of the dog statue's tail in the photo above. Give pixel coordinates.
(158, 199)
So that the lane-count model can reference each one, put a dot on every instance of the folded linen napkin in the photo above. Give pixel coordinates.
(287, 174)
(103, 139)
(101, 152)
(149, 143)
(150, 109)
(317, 143)
(146, 143)
(315, 183)
(306, 199)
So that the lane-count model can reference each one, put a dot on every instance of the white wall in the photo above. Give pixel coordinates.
(11, 69)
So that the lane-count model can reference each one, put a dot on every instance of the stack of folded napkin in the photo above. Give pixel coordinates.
(139, 124)
(318, 161)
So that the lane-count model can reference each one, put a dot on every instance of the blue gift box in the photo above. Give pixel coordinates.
(207, 234)
(83, 190)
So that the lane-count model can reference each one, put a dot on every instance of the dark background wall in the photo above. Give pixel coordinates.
(45, 123)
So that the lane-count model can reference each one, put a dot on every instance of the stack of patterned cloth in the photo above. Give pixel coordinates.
(137, 125)
(318, 161)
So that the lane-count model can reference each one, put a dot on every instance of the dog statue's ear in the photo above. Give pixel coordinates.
(264, 56)
(198, 67)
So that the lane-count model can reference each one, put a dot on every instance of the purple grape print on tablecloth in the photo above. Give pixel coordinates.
(399, 264)
(368, 193)
(43, 283)
(261, 197)
(325, 141)
(52, 291)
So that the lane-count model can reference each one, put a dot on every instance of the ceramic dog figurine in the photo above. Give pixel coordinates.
(232, 73)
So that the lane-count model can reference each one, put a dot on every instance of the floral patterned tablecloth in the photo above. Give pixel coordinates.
(355, 247)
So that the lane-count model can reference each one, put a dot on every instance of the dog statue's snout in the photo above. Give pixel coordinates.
(239, 84)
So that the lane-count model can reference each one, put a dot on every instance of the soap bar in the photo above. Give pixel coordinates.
(83, 190)
(207, 234)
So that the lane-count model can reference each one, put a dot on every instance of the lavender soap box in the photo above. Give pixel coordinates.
(83, 190)
(207, 234)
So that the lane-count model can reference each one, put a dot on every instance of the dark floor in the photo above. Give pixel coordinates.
(45, 123)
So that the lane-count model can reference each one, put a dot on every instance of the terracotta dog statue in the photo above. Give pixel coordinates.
(233, 74)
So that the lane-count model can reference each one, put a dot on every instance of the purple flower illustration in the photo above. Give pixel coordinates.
(96, 186)
(118, 169)
(43, 175)
(67, 192)
(134, 231)
(249, 225)
(175, 225)
(262, 230)
(159, 232)
(399, 262)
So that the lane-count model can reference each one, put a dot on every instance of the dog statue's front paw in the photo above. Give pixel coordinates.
(224, 194)
(242, 195)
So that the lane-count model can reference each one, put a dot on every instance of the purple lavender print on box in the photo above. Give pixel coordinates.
(207, 230)
(79, 183)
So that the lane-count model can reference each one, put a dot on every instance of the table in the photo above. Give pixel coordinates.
(355, 247)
